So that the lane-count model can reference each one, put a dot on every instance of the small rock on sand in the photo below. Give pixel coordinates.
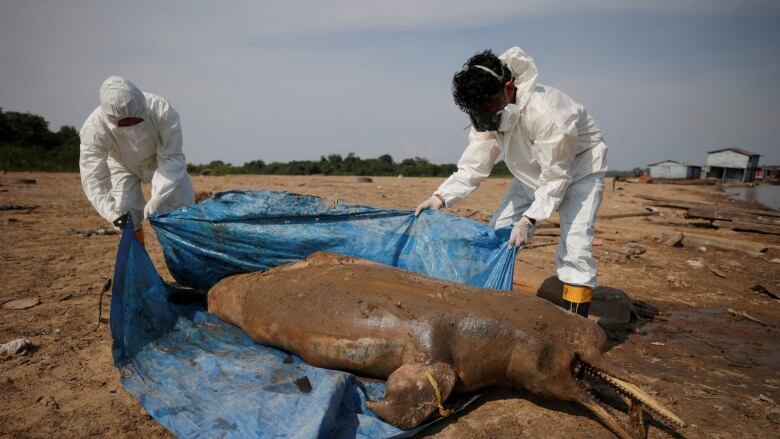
(20, 346)
(695, 263)
(25, 303)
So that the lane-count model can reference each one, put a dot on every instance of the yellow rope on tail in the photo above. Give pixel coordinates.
(442, 411)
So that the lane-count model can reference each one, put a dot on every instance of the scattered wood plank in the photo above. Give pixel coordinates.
(675, 204)
(747, 227)
(543, 244)
(728, 215)
(678, 204)
(627, 215)
(547, 232)
(26, 181)
(695, 241)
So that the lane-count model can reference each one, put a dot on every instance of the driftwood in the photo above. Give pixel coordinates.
(696, 241)
(730, 215)
(749, 227)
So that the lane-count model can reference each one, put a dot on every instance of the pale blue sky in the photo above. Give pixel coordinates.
(296, 80)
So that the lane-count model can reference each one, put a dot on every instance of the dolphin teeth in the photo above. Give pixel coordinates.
(629, 394)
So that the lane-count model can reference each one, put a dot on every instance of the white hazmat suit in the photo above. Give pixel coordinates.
(115, 160)
(556, 153)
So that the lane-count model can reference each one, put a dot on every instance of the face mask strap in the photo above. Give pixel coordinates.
(500, 77)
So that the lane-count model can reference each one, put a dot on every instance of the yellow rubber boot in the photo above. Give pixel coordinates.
(139, 234)
(576, 298)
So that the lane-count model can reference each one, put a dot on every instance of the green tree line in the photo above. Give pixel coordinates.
(335, 164)
(27, 144)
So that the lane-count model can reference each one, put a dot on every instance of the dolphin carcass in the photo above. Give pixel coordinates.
(427, 337)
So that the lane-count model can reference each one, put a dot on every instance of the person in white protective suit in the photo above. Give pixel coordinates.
(131, 138)
(552, 147)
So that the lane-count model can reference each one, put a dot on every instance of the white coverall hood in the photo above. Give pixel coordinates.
(524, 70)
(120, 98)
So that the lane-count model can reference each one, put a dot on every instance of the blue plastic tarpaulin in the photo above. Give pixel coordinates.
(201, 377)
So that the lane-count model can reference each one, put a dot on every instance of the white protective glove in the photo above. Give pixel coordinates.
(521, 233)
(436, 202)
(151, 207)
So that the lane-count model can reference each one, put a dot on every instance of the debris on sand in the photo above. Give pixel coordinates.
(95, 231)
(760, 289)
(647, 212)
(715, 270)
(673, 239)
(106, 287)
(48, 401)
(25, 303)
(17, 207)
(694, 241)
(203, 196)
(20, 346)
(26, 181)
(745, 315)
(677, 281)
(364, 179)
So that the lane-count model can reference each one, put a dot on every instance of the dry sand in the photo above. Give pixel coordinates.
(715, 369)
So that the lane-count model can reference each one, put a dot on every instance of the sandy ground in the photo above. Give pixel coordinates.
(715, 369)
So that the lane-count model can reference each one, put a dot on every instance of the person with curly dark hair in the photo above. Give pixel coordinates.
(553, 148)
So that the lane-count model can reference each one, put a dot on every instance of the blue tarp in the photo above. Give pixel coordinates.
(201, 377)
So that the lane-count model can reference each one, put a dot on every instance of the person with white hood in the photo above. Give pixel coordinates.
(131, 138)
(552, 147)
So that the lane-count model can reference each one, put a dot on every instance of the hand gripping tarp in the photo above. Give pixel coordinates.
(201, 377)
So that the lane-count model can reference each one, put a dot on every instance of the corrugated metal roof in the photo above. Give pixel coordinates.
(674, 161)
(739, 150)
(665, 161)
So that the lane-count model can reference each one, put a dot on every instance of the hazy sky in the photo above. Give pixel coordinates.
(296, 80)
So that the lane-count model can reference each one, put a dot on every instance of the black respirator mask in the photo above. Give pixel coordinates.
(490, 120)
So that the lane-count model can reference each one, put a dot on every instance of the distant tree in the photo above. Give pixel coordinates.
(27, 144)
